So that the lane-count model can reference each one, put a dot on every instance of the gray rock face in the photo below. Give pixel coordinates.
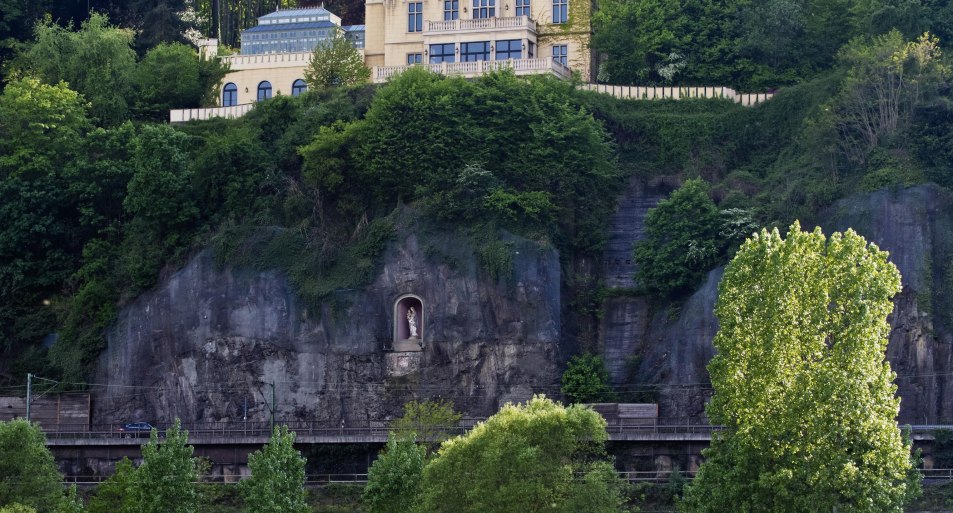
(671, 349)
(207, 344)
(626, 227)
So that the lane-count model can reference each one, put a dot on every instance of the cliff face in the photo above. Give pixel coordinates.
(206, 344)
(671, 348)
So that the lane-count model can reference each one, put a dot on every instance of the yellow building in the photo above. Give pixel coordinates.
(454, 37)
(468, 37)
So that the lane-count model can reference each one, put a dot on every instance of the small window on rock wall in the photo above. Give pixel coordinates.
(408, 323)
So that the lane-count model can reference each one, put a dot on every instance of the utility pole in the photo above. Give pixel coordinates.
(29, 394)
(272, 406)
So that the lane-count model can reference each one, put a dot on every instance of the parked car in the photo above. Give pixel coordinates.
(136, 429)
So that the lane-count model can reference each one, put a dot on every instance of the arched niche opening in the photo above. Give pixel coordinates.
(409, 326)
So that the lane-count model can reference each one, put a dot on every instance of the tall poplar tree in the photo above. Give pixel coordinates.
(801, 382)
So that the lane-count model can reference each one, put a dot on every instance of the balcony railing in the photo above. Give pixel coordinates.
(275, 60)
(185, 115)
(482, 24)
(537, 66)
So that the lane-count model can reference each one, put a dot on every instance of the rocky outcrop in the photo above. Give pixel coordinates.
(207, 344)
(665, 349)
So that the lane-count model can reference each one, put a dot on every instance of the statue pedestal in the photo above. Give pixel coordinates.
(402, 365)
(407, 345)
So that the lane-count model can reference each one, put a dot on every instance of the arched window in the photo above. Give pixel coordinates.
(299, 86)
(229, 95)
(264, 90)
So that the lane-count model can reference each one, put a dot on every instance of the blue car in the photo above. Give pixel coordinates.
(135, 429)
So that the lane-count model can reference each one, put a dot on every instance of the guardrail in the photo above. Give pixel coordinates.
(242, 429)
(637, 476)
(678, 93)
(185, 115)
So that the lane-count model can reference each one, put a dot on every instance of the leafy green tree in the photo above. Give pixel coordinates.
(887, 78)
(165, 481)
(276, 484)
(97, 61)
(801, 382)
(430, 421)
(336, 63)
(586, 380)
(682, 241)
(41, 130)
(636, 36)
(540, 456)
(393, 481)
(160, 201)
(28, 474)
(116, 494)
(174, 76)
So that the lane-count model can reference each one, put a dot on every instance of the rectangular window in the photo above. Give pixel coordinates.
(509, 49)
(531, 50)
(478, 51)
(560, 53)
(442, 53)
(484, 9)
(451, 10)
(415, 17)
(414, 58)
(522, 7)
(560, 11)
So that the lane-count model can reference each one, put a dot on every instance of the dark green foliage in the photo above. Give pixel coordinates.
(586, 380)
(746, 44)
(541, 157)
(173, 76)
(315, 270)
(682, 241)
(943, 448)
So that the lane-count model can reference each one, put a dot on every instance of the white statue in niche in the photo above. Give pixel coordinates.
(412, 321)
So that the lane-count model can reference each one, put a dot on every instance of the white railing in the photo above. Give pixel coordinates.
(238, 62)
(510, 22)
(536, 66)
(677, 93)
(185, 115)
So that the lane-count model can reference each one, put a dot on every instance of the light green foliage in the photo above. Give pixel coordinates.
(16, 508)
(165, 482)
(429, 421)
(887, 78)
(116, 494)
(71, 503)
(682, 241)
(801, 382)
(586, 380)
(277, 477)
(97, 60)
(393, 481)
(336, 63)
(540, 456)
(173, 76)
(28, 474)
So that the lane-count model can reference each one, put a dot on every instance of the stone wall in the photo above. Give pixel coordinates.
(206, 344)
